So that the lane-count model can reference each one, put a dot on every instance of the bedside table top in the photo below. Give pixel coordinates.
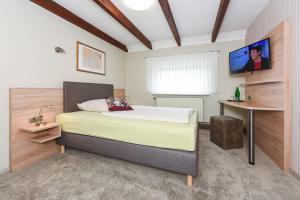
(32, 128)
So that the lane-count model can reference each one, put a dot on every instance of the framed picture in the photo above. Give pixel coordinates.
(90, 59)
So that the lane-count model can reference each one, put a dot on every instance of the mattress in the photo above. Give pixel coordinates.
(143, 132)
(154, 113)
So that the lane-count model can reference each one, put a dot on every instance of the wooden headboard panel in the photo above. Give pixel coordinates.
(24, 104)
(76, 92)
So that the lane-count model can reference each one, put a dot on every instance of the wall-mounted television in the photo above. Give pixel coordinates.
(251, 58)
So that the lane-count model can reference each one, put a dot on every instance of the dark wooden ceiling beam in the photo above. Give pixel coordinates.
(219, 19)
(74, 19)
(165, 6)
(113, 11)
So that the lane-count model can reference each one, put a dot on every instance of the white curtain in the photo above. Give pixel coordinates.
(194, 74)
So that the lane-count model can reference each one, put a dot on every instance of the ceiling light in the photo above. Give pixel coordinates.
(139, 4)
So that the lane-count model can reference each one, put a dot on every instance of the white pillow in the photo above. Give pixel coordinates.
(97, 105)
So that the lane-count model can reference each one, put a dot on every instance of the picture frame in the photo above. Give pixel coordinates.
(90, 59)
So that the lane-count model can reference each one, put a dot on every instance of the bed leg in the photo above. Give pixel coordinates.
(189, 180)
(62, 149)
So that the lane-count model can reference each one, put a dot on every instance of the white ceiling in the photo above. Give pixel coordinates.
(194, 19)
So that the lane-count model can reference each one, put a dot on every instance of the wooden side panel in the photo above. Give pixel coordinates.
(287, 75)
(119, 93)
(269, 135)
(25, 103)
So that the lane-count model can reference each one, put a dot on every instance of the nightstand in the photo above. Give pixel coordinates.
(44, 133)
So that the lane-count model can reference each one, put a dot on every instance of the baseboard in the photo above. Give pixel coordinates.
(204, 125)
(295, 174)
(4, 170)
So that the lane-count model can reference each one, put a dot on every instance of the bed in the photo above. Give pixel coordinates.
(95, 133)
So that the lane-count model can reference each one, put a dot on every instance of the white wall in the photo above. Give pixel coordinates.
(136, 84)
(276, 12)
(28, 37)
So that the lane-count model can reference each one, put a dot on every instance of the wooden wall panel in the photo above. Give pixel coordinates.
(268, 94)
(25, 103)
(269, 134)
(119, 93)
(273, 88)
(276, 12)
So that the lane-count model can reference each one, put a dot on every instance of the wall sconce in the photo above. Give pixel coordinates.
(59, 50)
(39, 119)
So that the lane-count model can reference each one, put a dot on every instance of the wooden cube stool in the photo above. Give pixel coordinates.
(226, 132)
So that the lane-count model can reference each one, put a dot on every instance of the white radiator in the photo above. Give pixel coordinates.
(182, 102)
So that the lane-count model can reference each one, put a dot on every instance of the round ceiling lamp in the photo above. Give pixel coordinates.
(139, 4)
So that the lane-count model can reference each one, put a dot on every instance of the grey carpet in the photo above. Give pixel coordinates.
(79, 175)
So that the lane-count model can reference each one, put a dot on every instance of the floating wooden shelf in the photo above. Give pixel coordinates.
(44, 138)
(33, 129)
(262, 82)
(43, 133)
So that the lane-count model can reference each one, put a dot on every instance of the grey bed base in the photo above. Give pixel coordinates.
(183, 162)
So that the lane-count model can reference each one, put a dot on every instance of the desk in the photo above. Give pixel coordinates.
(250, 107)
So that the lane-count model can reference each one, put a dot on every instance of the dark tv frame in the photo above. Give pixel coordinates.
(270, 56)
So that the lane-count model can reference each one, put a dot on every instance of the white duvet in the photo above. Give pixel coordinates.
(166, 114)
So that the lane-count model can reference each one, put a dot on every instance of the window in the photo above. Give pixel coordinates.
(195, 74)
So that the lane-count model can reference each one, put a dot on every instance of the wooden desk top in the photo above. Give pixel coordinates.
(249, 105)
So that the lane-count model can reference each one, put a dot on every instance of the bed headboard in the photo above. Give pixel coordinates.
(76, 92)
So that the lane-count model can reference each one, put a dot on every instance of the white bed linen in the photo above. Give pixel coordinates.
(166, 114)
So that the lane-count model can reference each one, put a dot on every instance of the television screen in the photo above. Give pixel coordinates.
(251, 58)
